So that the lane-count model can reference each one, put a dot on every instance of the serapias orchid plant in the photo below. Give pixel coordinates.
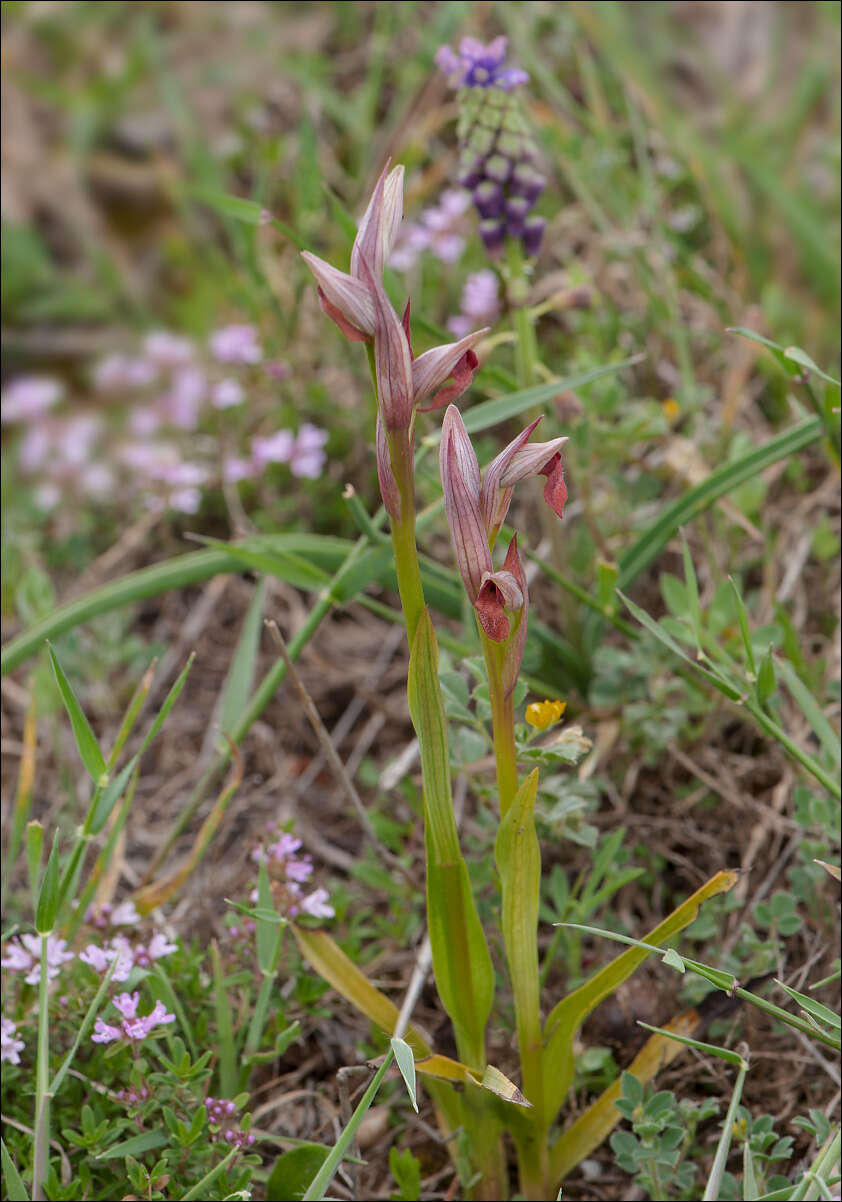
(468, 1093)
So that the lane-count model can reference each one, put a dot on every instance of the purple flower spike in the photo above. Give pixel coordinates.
(471, 171)
(488, 198)
(493, 234)
(517, 208)
(533, 233)
(498, 168)
(479, 66)
(527, 182)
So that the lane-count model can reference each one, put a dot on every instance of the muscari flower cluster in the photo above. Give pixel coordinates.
(498, 154)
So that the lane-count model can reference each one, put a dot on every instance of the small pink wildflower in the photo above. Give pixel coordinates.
(170, 350)
(132, 1026)
(441, 230)
(227, 393)
(316, 905)
(234, 469)
(278, 369)
(117, 949)
(275, 448)
(183, 403)
(23, 954)
(480, 303)
(10, 1047)
(29, 397)
(124, 915)
(308, 458)
(236, 344)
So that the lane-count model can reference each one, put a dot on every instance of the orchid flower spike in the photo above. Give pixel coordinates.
(476, 509)
(357, 302)
(346, 297)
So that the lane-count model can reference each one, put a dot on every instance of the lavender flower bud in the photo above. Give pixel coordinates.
(533, 232)
(527, 182)
(517, 208)
(493, 233)
(488, 198)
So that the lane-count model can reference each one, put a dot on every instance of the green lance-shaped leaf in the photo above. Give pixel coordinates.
(565, 1019)
(92, 757)
(519, 864)
(461, 960)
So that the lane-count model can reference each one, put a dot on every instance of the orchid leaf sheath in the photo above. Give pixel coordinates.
(461, 960)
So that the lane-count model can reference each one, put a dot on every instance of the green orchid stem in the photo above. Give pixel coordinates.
(502, 722)
(407, 568)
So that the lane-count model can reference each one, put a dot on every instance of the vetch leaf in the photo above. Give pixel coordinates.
(405, 1061)
(672, 958)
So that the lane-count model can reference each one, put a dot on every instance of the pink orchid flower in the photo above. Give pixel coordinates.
(476, 509)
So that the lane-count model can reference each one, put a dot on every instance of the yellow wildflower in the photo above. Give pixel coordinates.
(671, 408)
(542, 714)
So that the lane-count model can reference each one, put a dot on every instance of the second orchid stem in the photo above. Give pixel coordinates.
(502, 722)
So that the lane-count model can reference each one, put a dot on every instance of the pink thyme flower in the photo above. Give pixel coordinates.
(116, 372)
(227, 393)
(158, 947)
(274, 448)
(10, 1047)
(117, 950)
(308, 458)
(182, 403)
(316, 905)
(440, 230)
(235, 469)
(480, 303)
(168, 349)
(29, 397)
(236, 344)
(298, 870)
(23, 954)
(132, 1026)
(124, 915)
